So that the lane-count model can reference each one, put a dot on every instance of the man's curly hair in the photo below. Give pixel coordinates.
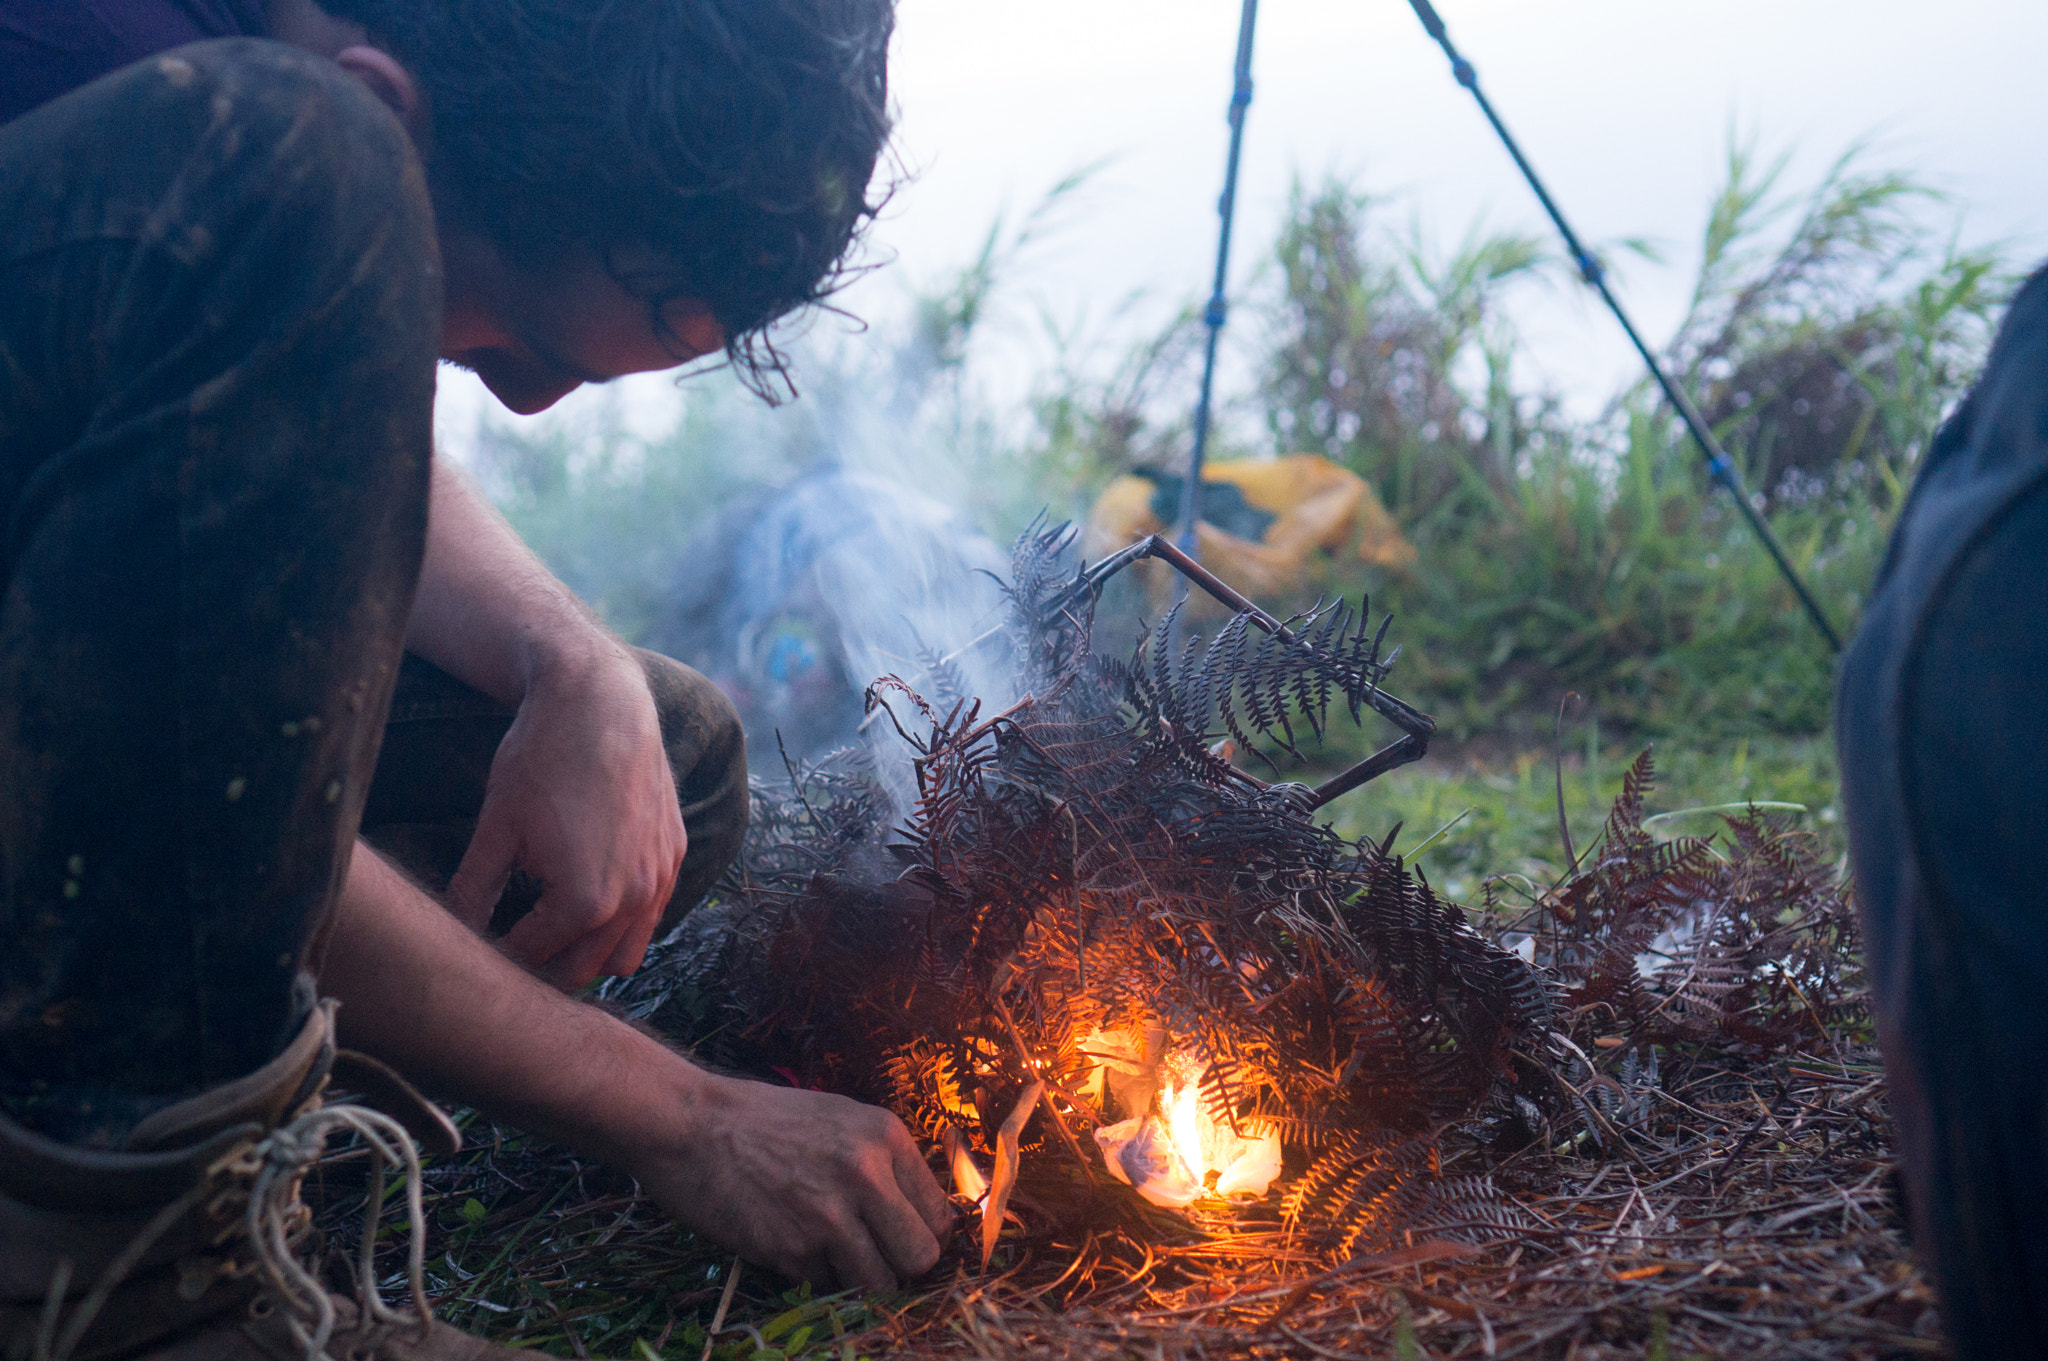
(735, 140)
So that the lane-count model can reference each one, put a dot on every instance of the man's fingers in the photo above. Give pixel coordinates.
(818, 1269)
(856, 1261)
(557, 951)
(632, 947)
(914, 1178)
(479, 881)
(541, 934)
(901, 1231)
(560, 923)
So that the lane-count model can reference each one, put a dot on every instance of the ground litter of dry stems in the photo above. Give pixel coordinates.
(1633, 1113)
(1751, 1211)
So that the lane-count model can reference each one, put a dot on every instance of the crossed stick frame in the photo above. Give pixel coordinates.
(1416, 726)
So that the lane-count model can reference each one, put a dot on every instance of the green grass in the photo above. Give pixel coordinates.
(1828, 333)
(1512, 826)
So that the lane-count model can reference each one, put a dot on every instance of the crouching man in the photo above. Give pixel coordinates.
(234, 239)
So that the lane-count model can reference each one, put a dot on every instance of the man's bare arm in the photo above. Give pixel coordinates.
(816, 1186)
(580, 794)
(488, 610)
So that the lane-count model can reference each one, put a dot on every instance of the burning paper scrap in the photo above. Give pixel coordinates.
(1121, 1073)
(1253, 1170)
(1140, 1153)
(1169, 1155)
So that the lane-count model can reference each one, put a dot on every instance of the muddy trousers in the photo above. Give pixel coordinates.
(1944, 758)
(219, 307)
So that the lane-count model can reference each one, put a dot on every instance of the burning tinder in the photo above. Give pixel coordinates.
(1174, 1151)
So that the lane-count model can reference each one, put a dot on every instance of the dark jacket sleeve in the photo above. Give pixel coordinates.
(51, 47)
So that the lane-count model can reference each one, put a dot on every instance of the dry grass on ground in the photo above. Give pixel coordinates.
(1748, 1213)
(1737, 1200)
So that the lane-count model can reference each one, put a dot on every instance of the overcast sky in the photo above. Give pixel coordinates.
(1624, 105)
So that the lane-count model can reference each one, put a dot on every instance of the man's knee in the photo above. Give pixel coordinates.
(707, 751)
(706, 743)
(215, 150)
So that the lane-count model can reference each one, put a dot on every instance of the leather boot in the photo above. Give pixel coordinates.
(188, 1244)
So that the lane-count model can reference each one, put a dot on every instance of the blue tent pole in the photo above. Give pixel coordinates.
(1213, 315)
(1719, 465)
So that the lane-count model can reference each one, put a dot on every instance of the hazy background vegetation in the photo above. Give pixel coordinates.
(1831, 326)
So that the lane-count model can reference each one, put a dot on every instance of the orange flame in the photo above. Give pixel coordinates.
(1176, 1152)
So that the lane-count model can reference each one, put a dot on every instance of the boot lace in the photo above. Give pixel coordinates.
(272, 1169)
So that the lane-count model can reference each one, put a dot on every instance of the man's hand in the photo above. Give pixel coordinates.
(581, 797)
(814, 1185)
(819, 1187)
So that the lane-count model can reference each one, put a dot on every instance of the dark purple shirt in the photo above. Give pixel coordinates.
(48, 47)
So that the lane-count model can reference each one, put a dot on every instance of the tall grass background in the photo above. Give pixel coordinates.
(1831, 328)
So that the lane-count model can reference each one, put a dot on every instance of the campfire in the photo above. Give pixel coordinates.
(1211, 1081)
(1112, 971)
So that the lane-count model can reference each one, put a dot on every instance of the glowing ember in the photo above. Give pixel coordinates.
(1175, 1151)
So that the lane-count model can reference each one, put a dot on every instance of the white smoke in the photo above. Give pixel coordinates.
(812, 549)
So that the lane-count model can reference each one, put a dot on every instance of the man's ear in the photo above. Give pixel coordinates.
(386, 78)
(700, 333)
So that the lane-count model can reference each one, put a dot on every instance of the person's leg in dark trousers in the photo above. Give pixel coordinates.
(1974, 760)
(437, 753)
(1943, 729)
(219, 311)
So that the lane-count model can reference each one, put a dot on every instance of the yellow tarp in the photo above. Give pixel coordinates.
(1316, 504)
